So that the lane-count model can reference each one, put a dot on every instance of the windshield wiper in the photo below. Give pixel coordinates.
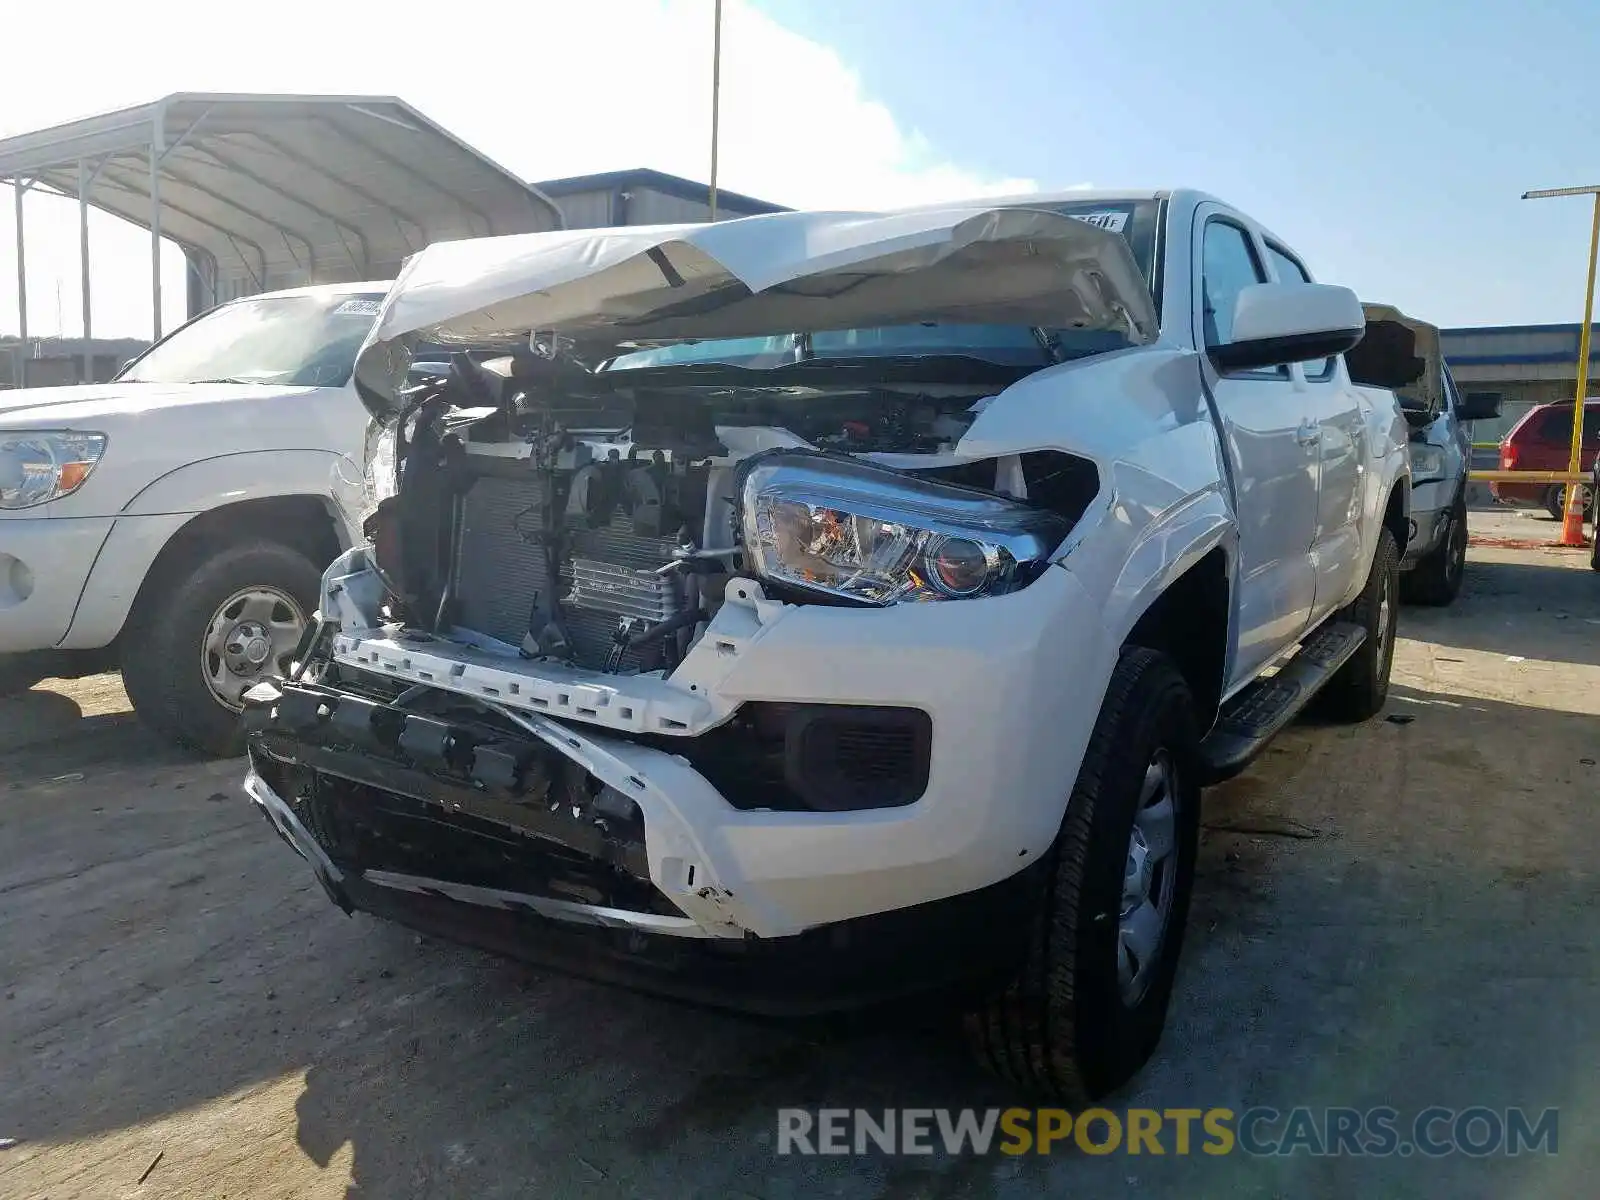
(229, 379)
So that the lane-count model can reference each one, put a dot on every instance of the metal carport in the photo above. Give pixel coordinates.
(264, 192)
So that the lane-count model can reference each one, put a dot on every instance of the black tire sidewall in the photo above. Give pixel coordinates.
(1361, 687)
(1436, 580)
(162, 640)
(1111, 1041)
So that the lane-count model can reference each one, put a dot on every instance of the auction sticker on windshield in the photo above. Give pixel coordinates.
(360, 307)
(1112, 222)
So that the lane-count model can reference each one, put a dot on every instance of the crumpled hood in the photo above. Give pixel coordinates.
(778, 273)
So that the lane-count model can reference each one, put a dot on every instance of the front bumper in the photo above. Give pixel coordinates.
(44, 563)
(956, 947)
(1012, 686)
(1432, 505)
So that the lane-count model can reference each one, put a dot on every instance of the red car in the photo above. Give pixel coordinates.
(1542, 441)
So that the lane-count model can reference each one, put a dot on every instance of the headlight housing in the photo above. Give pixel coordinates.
(379, 479)
(40, 465)
(1427, 462)
(853, 530)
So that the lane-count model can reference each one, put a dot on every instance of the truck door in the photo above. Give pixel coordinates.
(1342, 459)
(1271, 438)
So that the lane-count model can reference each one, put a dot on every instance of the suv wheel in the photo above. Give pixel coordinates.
(198, 639)
(1436, 579)
(1360, 687)
(1556, 500)
(1087, 1009)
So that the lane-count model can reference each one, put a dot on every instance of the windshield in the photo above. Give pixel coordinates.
(1011, 345)
(295, 341)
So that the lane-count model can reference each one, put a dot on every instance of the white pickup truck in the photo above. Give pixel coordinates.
(177, 520)
(825, 608)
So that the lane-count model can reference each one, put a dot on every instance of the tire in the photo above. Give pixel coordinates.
(1436, 579)
(1065, 1028)
(1358, 689)
(1555, 501)
(164, 645)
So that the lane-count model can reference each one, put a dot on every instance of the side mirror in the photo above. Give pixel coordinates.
(1479, 406)
(1275, 324)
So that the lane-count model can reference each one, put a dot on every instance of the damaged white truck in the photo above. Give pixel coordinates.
(823, 609)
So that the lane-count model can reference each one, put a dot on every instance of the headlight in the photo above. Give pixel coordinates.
(1427, 462)
(39, 465)
(852, 529)
(379, 480)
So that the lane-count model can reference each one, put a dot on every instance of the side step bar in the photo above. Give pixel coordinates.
(1257, 714)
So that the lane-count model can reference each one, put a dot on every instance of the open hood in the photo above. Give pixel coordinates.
(1402, 354)
(790, 272)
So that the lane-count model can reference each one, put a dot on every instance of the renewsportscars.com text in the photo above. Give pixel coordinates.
(1373, 1132)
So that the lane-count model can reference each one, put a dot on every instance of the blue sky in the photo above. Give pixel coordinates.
(1388, 142)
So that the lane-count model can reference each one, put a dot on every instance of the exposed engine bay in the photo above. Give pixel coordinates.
(594, 518)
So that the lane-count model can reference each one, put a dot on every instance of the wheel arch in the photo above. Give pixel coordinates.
(1190, 622)
(304, 522)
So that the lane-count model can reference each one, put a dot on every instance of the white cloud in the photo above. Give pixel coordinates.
(545, 89)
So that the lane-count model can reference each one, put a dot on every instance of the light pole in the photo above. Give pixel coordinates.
(716, 92)
(1572, 517)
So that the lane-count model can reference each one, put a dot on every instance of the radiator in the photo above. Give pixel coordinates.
(501, 572)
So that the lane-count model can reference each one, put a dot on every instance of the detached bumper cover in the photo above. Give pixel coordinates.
(946, 947)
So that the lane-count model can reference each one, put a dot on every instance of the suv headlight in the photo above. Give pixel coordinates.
(40, 465)
(1427, 462)
(855, 530)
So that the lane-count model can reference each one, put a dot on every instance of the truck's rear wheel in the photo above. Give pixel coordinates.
(198, 639)
(1436, 579)
(1359, 689)
(1088, 1006)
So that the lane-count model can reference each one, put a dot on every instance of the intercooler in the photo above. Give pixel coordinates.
(502, 574)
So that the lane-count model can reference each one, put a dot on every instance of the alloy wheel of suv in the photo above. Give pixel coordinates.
(206, 628)
(250, 637)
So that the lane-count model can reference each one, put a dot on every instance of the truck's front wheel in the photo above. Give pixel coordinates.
(199, 638)
(1087, 1009)
(1436, 580)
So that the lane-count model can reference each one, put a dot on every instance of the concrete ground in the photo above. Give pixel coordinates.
(1397, 914)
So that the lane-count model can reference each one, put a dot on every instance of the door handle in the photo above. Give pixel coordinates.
(1308, 434)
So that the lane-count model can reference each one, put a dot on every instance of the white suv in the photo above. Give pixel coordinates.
(181, 516)
(876, 636)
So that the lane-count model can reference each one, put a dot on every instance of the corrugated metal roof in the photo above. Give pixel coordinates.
(284, 189)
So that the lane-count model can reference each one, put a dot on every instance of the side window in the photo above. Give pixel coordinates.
(1228, 266)
(1289, 270)
(1591, 426)
(1556, 426)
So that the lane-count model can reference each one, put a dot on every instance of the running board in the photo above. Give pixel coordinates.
(1257, 714)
